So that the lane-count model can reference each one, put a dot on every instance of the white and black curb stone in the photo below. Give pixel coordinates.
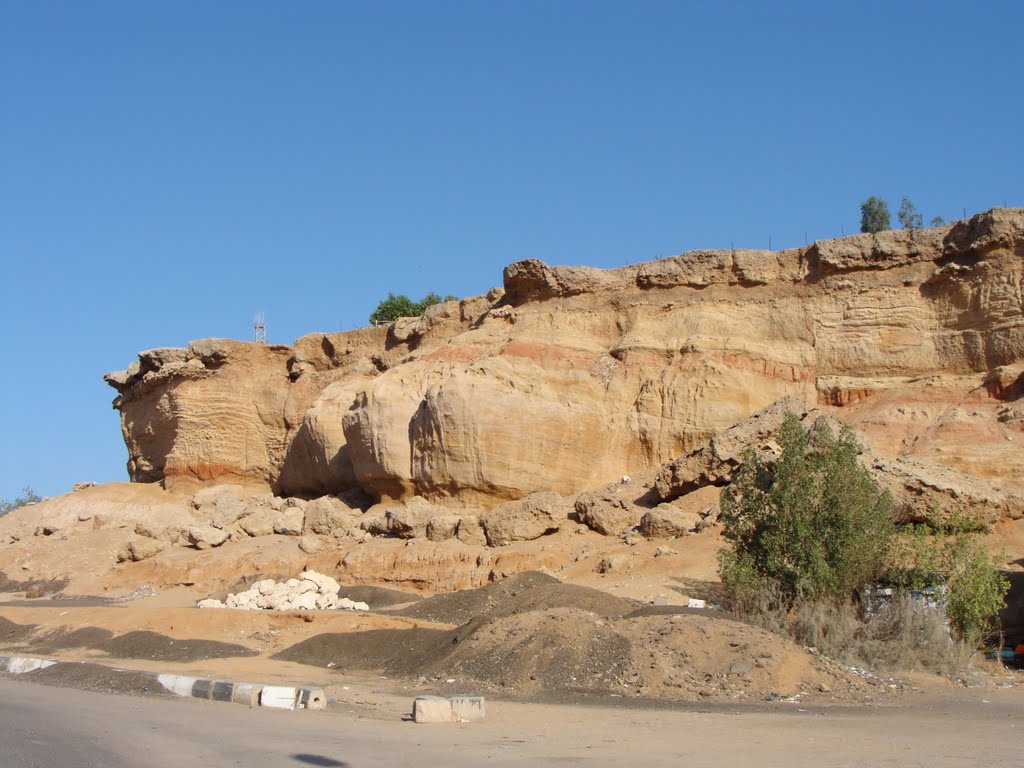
(250, 694)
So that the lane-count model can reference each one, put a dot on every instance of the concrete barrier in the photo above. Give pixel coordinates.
(467, 709)
(18, 665)
(278, 696)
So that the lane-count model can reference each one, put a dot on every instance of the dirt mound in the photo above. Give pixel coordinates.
(521, 593)
(151, 645)
(32, 587)
(84, 637)
(572, 649)
(136, 645)
(378, 597)
(394, 651)
(560, 649)
(14, 633)
(95, 677)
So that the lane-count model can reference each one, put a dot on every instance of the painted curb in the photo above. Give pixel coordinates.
(249, 694)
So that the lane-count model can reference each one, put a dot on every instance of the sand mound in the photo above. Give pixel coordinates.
(521, 593)
(95, 677)
(14, 633)
(139, 645)
(531, 635)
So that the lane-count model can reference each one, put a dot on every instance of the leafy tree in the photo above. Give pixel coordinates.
(953, 558)
(394, 307)
(815, 527)
(938, 221)
(28, 496)
(874, 215)
(908, 215)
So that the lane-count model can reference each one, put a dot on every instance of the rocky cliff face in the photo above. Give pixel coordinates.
(572, 377)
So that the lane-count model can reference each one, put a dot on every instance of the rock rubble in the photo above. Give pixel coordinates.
(310, 591)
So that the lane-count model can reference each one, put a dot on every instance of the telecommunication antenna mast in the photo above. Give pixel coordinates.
(259, 328)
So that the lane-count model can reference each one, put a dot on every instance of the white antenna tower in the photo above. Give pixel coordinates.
(259, 328)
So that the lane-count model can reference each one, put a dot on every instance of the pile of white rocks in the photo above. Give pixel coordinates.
(310, 591)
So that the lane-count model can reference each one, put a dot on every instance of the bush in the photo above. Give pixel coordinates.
(394, 307)
(28, 496)
(953, 558)
(816, 528)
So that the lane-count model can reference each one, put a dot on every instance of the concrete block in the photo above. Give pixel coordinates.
(222, 690)
(278, 697)
(432, 709)
(246, 693)
(466, 709)
(180, 685)
(202, 688)
(311, 698)
(19, 666)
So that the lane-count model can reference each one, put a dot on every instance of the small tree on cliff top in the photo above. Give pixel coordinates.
(394, 307)
(874, 215)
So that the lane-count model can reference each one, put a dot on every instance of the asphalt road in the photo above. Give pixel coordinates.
(46, 727)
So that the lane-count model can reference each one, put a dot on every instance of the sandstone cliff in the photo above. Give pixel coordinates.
(572, 377)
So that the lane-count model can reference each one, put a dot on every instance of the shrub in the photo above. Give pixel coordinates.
(817, 527)
(28, 496)
(394, 307)
(954, 558)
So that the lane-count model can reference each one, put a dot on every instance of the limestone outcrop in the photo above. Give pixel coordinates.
(571, 377)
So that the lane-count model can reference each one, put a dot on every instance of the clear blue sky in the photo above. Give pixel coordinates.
(170, 167)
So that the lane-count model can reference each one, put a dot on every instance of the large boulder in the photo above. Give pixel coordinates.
(608, 513)
(715, 462)
(529, 518)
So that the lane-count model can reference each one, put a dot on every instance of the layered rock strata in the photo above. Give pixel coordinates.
(572, 377)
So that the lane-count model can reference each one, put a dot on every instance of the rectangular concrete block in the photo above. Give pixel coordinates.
(278, 697)
(180, 685)
(467, 709)
(19, 666)
(432, 709)
(246, 693)
(311, 698)
(202, 688)
(222, 690)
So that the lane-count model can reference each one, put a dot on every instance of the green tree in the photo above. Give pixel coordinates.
(874, 215)
(814, 527)
(28, 496)
(908, 215)
(938, 221)
(394, 307)
(952, 557)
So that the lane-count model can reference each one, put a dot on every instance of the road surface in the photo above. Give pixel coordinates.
(46, 727)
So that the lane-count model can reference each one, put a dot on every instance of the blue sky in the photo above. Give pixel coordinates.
(169, 168)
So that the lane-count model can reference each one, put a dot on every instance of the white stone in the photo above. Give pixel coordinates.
(265, 587)
(324, 583)
(278, 697)
(306, 601)
(431, 709)
(210, 603)
(325, 602)
(467, 709)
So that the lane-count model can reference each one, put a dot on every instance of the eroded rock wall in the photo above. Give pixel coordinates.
(575, 376)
